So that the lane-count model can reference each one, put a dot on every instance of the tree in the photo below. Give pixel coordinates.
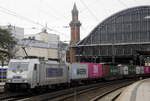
(7, 42)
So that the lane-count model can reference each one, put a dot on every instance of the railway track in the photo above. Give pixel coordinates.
(96, 93)
(81, 93)
(105, 96)
(13, 96)
(9, 96)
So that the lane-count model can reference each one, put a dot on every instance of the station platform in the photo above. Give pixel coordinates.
(139, 91)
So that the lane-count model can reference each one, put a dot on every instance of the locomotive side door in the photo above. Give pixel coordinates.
(36, 75)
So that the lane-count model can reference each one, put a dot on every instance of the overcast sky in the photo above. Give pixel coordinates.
(56, 14)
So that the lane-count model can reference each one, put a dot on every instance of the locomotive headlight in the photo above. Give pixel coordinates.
(25, 81)
(8, 80)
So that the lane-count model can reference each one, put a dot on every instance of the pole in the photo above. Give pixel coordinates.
(25, 51)
(113, 54)
(75, 93)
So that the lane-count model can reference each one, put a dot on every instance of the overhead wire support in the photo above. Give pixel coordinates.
(122, 3)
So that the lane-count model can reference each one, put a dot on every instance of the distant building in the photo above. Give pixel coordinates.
(63, 49)
(41, 49)
(17, 32)
(36, 48)
(42, 44)
(45, 37)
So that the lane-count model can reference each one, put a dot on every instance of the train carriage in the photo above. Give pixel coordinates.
(130, 71)
(120, 68)
(114, 72)
(146, 71)
(3, 73)
(105, 71)
(125, 70)
(94, 70)
(78, 71)
(139, 71)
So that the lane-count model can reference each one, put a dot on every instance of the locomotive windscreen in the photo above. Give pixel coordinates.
(18, 66)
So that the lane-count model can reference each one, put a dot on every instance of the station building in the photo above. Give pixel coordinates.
(37, 48)
(121, 38)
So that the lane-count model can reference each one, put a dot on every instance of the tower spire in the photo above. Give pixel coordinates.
(74, 10)
(75, 26)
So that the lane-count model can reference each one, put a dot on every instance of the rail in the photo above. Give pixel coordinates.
(71, 93)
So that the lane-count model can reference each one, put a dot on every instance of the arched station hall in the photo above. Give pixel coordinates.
(122, 38)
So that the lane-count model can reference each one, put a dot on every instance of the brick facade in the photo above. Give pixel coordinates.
(75, 33)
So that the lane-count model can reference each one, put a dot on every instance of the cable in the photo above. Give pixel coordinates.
(46, 12)
(89, 10)
(89, 5)
(7, 11)
(19, 16)
(54, 10)
(121, 2)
